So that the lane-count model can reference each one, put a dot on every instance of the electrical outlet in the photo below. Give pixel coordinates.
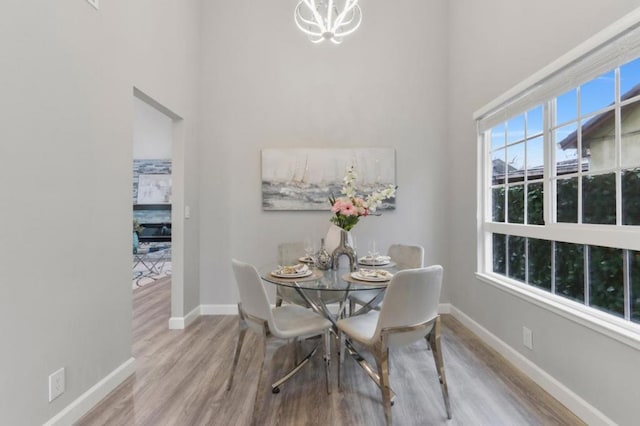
(56, 384)
(527, 338)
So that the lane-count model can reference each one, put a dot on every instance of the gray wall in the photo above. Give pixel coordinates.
(268, 86)
(66, 109)
(494, 44)
(410, 78)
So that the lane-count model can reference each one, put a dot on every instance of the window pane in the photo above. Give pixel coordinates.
(498, 204)
(515, 162)
(599, 199)
(535, 158)
(535, 203)
(597, 93)
(566, 149)
(498, 136)
(540, 263)
(629, 78)
(570, 271)
(631, 197)
(631, 135)
(515, 129)
(499, 166)
(534, 121)
(567, 107)
(517, 257)
(515, 204)
(567, 200)
(499, 251)
(605, 279)
(635, 285)
(599, 142)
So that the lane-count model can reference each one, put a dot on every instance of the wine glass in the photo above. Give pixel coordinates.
(309, 248)
(373, 251)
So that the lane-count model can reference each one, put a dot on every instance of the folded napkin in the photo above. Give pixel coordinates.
(377, 259)
(375, 273)
(300, 268)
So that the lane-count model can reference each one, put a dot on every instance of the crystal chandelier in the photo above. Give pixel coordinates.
(328, 19)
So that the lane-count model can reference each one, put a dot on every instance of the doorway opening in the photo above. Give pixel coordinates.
(157, 198)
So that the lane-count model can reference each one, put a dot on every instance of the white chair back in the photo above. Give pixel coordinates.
(412, 298)
(406, 256)
(253, 295)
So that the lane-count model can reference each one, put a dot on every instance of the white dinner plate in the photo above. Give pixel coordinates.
(357, 276)
(372, 262)
(296, 275)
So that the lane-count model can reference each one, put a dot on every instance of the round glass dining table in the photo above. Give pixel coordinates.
(331, 286)
(321, 288)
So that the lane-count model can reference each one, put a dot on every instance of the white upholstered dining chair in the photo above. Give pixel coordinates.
(281, 324)
(409, 313)
(405, 257)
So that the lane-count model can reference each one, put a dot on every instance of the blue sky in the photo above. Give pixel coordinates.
(594, 95)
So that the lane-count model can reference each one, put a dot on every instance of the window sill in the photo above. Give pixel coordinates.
(620, 330)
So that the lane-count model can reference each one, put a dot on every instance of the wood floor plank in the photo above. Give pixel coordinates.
(181, 378)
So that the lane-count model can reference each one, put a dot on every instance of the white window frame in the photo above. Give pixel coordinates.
(539, 89)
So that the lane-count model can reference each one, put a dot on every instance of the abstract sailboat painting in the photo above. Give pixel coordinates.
(304, 178)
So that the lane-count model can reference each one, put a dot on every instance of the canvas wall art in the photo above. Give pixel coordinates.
(304, 178)
(154, 189)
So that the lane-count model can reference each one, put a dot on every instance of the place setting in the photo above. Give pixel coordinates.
(371, 275)
(373, 258)
(300, 270)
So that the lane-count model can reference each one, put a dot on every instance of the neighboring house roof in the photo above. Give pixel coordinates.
(596, 123)
(500, 167)
(537, 172)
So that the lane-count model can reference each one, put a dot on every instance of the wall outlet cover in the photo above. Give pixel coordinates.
(56, 384)
(527, 338)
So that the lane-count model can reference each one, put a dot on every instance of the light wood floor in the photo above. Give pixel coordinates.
(181, 377)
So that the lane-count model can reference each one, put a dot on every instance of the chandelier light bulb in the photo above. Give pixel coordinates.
(327, 19)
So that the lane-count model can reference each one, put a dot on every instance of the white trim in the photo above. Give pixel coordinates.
(218, 309)
(179, 323)
(588, 413)
(85, 402)
(573, 311)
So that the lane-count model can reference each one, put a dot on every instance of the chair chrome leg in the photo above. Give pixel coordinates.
(365, 366)
(241, 334)
(326, 344)
(382, 360)
(259, 391)
(342, 349)
(352, 307)
(436, 350)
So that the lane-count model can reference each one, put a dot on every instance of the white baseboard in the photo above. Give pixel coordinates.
(85, 402)
(179, 323)
(580, 407)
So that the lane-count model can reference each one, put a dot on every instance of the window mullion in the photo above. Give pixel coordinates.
(553, 267)
(626, 269)
(549, 161)
(587, 296)
(617, 112)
